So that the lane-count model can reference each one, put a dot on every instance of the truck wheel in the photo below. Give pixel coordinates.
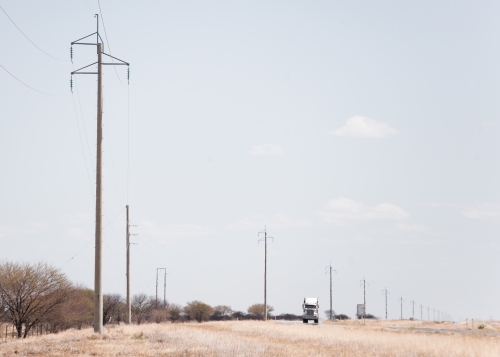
(316, 321)
(304, 321)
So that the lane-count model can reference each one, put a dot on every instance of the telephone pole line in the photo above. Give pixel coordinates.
(329, 267)
(164, 287)
(98, 297)
(265, 266)
(385, 292)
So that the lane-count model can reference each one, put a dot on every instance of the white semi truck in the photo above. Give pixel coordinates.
(311, 310)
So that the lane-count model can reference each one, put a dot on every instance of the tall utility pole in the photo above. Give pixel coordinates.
(413, 309)
(401, 299)
(385, 292)
(98, 298)
(164, 287)
(363, 283)
(329, 267)
(434, 318)
(428, 318)
(129, 306)
(265, 266)
(421, 314)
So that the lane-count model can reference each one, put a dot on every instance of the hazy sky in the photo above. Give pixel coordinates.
(362, 133)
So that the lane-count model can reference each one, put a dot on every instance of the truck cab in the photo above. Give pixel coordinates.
(310, 309)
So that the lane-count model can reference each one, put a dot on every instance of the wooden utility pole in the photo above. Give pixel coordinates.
(129, 307)
(265, 268)
(329, 270)
(401, 299)
(98, 298)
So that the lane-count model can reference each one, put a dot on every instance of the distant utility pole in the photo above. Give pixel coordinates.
(98, 298)
(329, 267)
(413, 309)
(363, 283)
(401, 300)
(128, 319)
(164, 287)
(421, 314)
(385, 292)
(428, 317)
(434, 314)
(265, 266)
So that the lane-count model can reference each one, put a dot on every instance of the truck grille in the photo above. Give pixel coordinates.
(310, 312)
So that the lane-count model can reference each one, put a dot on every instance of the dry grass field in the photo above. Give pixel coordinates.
(253, 338)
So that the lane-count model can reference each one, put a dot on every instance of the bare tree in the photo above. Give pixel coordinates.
(112, 304)
(174, 312)
(258, 310)
(141, 307)
(221, 312)
(77, 309)
(198, 310)
(30, 292)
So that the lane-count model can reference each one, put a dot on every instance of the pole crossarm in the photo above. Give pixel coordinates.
(76, 72)
(76, 42)
(116, 59)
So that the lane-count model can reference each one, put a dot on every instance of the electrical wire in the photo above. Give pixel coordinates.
(107, 128)
(89, 7)
(70, 259)
(180, 261)
(58, 59)
(109, 222)
(81, 142)
(107, 41)
(84, 127)
(36, 90)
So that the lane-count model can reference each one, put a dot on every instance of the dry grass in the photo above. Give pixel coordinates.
(251, 338)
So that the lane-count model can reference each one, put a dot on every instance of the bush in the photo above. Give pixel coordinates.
(481, 327)
(198, 310)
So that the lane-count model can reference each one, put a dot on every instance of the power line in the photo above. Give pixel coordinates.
(36, 90)
(70, 259)
(84, 127)
(59, 59)
(81, 142)
(107, 41)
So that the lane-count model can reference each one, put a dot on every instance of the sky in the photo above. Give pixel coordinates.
(360, 134)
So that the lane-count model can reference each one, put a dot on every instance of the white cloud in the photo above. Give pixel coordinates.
(482, 211)
(345, 209)
(363, 127)
(267, 150)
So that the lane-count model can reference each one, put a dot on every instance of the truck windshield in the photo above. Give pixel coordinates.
(310, 306)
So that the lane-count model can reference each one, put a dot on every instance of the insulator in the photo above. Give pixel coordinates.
(71, 53)
(71, 84)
